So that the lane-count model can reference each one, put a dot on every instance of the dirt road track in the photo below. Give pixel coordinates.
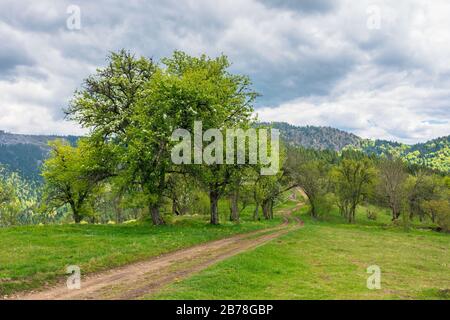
(138, 279)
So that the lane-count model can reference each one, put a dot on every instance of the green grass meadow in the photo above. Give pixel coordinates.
(328, 259)
(32, 256)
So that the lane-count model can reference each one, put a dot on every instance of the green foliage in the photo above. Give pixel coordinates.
(111, 105)
(203, 89)
(371, 214)
(309, 172)
(422, 188)
(123, 169)
(9, 203)
(440, 212)
(72, 176)
(23, 158)
(392, 176)
(434, 154)
(19, 200)
(133, 106)
(352, 180)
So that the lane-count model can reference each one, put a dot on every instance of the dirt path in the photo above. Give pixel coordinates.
(136, 280)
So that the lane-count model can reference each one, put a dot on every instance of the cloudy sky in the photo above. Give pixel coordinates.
(380, 69)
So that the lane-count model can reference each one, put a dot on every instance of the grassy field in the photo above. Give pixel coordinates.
(31, 256)
(328, 259)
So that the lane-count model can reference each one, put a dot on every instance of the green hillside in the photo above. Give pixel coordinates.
(433, 154)
(25, 153)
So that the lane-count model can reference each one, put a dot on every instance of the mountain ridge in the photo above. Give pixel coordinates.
(26, 152)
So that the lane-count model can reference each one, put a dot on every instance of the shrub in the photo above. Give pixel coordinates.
(443, 217)
(439, 210)
(371, 215)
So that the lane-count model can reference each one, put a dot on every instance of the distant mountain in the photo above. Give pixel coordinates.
(321, 138)
(25, 153)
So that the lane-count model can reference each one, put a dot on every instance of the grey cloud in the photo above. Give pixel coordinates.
(34, 16)
(12, 55)
(11, 58)
(306, 6)
(314, 76)
(292, 50)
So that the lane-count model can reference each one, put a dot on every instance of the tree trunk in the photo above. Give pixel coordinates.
(395, 209)
(135, 213)
(175, 208)
(353, 213)
(312, 203)
(75, 213)
(313, 210)
(234, 206)
(77, 217)
(256, 212)
(271, 209)
(395, 213)
(341, 210)
(266, 209)
(156, 216)
(214, 201)
(119, 211)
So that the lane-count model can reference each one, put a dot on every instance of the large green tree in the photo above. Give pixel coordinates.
(110, 104)
(203, 89)
(135, 106)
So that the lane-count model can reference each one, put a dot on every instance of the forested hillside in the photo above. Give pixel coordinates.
(25, 153)
(434, 154)
(321, 138)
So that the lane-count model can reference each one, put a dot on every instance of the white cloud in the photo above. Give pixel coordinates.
(397, 110)
(35, 119)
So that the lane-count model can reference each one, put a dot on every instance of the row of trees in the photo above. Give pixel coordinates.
(352, 178)
(131, 108)
(123, 167)
(327, 178)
